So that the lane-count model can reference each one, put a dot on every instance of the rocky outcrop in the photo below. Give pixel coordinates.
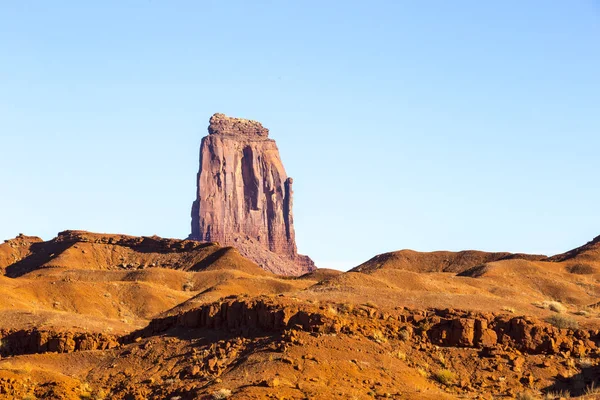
(433, 327)
(34, 341)
(244, 197)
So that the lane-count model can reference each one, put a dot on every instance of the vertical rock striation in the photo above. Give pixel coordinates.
(244, 197)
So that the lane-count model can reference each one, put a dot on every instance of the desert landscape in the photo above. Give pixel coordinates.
(235, 312)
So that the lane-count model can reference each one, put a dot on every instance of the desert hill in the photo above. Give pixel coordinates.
(102, 282)
(437, 261)
(101, 316)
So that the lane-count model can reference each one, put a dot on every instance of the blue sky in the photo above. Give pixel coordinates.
(426, 125)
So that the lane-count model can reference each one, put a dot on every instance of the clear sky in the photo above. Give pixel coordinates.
(405, 124)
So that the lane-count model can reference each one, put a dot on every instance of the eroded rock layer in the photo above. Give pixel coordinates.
(244, 196)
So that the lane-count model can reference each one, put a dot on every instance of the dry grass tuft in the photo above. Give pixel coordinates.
(525, 396)
(592, 390)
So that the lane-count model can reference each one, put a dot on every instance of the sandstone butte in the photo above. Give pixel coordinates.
(245, 198)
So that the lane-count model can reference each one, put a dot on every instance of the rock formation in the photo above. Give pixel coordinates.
(244, 197)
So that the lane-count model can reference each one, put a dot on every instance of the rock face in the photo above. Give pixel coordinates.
(244, 197)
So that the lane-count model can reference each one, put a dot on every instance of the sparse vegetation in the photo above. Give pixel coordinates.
(585, 363)
(371, 304)
(347, 308)
(100, 395)
(525, 396)
(221, 394)
(592, 390)
(442, 360)
(404, 335)
(563, 394)
(584, 312)
(562, 322)
(424, 326)
(581, 269)
(378, 336)
(552, 306)
(85, 391)
(444, 376)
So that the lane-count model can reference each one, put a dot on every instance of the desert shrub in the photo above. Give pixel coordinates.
(555, 306)
(100, 395)
(221, 394)
(442, 360)
(583, 312)
(551, 305)
(562, 322)
(332, 310)
(378, 336)
(424, 326)
(404, 335)
(508, 309)
(581, 269)
(371, 304)
(563, 394)
(444, 376)
(525, 396)
(347, 308)
(585, 363)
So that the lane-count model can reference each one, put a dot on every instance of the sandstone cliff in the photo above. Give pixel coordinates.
(244, 196)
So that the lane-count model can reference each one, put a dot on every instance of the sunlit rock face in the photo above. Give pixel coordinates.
(244, 197)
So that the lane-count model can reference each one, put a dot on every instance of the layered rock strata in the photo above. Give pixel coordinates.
(244, 197)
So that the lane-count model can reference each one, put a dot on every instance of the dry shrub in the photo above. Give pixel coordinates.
(562, 322)
(581, 269)
(378, 336)
(221, 394)
(552, 306)
(525, 396)
(583, 312)
(404, 335)
(563, 394)
(347, 308)
(444, 376)
(592, 390)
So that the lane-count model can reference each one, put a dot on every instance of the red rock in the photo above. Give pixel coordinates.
(244, 197)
